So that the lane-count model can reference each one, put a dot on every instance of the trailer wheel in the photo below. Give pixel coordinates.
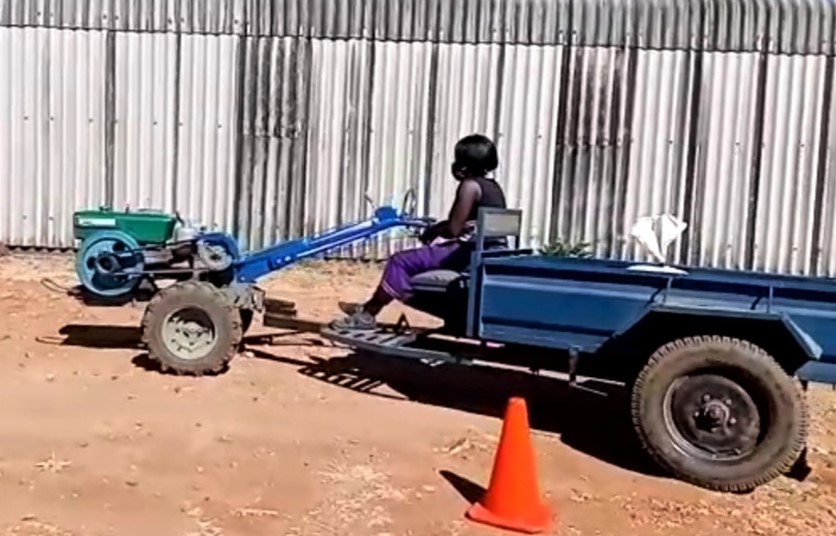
(191, 328)
(719, 413)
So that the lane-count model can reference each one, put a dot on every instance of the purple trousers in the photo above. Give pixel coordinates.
(404, 265)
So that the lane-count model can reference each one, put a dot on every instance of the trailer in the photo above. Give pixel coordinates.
(717, 362)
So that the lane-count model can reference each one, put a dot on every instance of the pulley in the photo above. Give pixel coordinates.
(109, 264)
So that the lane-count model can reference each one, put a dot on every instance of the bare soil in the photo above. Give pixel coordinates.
(299, 438)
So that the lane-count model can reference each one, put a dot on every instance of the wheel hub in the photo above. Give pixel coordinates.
(712, 416)
(189, 333)
(107, 263)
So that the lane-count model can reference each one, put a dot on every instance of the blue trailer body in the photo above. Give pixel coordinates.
(581, 304)
(710, 358)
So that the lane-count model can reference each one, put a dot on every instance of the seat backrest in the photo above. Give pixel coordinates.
(495, 223)
(491, 224)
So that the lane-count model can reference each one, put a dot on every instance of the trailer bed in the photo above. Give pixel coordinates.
(581, 303)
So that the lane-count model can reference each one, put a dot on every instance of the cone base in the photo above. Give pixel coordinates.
(535, 522)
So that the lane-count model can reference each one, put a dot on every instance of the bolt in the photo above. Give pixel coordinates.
(732, 421)
(728, 402)
(706, 398)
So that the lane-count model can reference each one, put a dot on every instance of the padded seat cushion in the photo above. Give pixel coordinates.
(436, 279)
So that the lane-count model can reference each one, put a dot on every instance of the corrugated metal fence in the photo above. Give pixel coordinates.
(273, 119)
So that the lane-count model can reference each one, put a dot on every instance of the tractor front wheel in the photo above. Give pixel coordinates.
(192, 328)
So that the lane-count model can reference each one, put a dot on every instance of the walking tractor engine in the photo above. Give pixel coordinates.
(194, 325)
(122, 251)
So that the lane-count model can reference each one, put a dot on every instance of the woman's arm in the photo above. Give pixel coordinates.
(467, 195)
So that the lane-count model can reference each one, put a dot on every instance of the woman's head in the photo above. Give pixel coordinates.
(474, 156)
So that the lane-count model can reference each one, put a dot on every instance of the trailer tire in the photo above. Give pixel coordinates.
(192, 328)
(719, 413)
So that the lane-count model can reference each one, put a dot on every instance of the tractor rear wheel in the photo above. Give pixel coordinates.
(192, 328)
(719, 413)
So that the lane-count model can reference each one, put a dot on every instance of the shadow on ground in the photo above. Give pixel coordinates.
(130, 338)
(593, 419)
(102, 337)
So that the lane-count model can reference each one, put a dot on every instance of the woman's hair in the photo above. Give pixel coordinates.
(474, 156)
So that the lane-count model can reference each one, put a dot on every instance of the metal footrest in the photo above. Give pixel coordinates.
(390, 342)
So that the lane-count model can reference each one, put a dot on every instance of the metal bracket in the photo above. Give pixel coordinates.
(245, 296)
(574, 358)
(402, 325)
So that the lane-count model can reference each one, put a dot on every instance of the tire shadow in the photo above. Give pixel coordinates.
(99, 336)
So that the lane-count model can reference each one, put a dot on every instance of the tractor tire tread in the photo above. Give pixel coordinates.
(211, 292)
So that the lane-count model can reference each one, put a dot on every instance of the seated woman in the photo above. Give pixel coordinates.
(445, 243)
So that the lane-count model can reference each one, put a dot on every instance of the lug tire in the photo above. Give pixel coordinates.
(211, 302)
(781, 416)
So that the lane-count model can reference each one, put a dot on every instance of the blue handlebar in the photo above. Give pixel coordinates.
(254, 265)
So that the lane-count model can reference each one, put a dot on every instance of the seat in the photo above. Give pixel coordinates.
(436, 280)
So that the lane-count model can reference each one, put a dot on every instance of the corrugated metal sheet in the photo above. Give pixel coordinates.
(825, 253)
(658, 141)
(790, 161)
(175, 124)
(731, 25)
(526, 132)
(208, 129)
(394, 155)
(726, 136)
(52, 128)
(275, 119)
(145, 124)
(276, 76)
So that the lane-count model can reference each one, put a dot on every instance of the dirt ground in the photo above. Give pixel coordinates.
(299, 438)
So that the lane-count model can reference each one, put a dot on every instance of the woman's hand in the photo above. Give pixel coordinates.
(467, 194)
(431, 233)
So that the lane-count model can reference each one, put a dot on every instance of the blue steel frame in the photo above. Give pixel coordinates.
(250, 267)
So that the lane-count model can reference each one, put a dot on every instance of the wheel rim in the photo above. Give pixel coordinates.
(189, 333)
(712, 417)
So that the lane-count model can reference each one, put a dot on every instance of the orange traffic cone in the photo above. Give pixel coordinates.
(513, 498)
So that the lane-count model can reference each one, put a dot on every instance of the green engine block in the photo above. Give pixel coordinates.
(145, 226)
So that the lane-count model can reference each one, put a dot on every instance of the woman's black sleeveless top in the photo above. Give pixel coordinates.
(492, 196)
